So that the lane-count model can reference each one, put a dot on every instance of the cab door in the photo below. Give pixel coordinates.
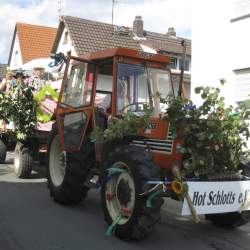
(75, 106)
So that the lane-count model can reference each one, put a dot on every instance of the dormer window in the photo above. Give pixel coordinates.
(173, 64)
(66, 37)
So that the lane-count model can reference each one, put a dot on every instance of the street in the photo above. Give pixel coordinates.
(31, 220)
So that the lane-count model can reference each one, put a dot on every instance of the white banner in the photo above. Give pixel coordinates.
(217, 197)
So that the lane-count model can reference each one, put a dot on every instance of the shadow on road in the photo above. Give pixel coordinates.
(4, 171)
(30, 219)
(82, 227)
(38, 172)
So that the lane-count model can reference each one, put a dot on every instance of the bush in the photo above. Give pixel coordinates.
(214, 135)
(19, 108)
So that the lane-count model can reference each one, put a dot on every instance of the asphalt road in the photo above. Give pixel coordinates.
(31, 220)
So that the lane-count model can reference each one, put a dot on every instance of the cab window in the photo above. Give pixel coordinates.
(79, 86)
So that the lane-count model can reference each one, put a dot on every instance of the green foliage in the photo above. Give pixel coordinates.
(129, 124)
(42, 116)
(40, 96)
(45, 91)
(19, 108)
(214, 135)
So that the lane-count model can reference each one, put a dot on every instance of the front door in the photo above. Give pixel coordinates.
(75, 105)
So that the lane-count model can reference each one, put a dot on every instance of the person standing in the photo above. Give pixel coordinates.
(38, 80)
(8, 82)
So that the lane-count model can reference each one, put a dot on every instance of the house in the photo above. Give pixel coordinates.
(221, 48)
(30, 42)
(81, 36)
(3, 69)
(240, 23)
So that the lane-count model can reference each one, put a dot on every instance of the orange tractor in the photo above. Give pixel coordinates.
(97, 88)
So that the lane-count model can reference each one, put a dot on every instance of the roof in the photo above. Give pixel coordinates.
(3, 69)
(168, 44)
(90, 36)
(126, 53)
(35, 41)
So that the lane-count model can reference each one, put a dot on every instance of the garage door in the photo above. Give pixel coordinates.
(242, 84)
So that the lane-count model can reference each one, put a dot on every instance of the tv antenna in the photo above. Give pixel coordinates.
(114, 2)
(59, 2)
(113, 9)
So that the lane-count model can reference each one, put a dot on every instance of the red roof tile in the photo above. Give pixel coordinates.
(35, 41)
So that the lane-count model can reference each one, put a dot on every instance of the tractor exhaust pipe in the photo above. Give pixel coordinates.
(184, 46)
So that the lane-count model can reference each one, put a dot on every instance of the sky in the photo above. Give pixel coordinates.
(158, 15)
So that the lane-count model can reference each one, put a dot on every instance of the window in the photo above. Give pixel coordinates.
(186, 65)
(16, 59)
(78, 88)
(138, 85)
(173, 64)
(242, 84)
(73, 127)
(66, 37)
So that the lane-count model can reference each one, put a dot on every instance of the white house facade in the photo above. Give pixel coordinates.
(221, 47)
(30, 44)
(16, 56)
(240, 26)
(65, 43)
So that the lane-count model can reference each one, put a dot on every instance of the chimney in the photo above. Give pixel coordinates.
(171, 32)
(138, 26)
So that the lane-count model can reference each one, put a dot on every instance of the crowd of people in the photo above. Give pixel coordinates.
(36, 80)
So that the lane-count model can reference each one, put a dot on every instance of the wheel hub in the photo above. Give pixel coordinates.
(120, 193)
(123, 192)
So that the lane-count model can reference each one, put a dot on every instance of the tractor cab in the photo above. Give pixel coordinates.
(111, 83)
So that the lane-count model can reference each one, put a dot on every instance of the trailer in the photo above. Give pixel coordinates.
(31, 150)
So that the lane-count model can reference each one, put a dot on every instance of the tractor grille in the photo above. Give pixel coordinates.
(164, 146)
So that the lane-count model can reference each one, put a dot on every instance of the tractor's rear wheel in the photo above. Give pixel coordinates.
(22, 161)
(3, 151)
(66, 174)
(125, 175)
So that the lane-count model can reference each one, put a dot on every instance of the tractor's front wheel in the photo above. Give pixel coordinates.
(66, 174)
(125, 176)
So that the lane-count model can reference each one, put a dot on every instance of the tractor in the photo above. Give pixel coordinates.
(97, 88)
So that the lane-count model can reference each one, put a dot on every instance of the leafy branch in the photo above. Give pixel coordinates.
(129, 124)
(214, 135)
(19, 108)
